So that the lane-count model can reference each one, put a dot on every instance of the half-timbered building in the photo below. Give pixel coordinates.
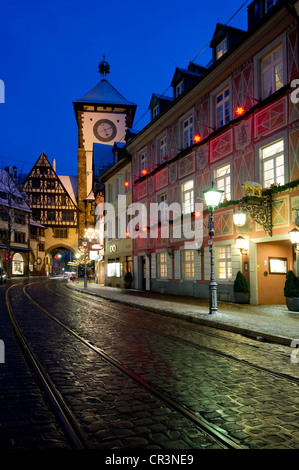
(53, 201)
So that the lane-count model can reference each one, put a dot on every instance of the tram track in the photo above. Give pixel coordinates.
(285, 376)
(73, 429)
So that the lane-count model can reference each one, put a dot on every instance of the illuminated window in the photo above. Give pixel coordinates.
(114, 268)
(189, 265)
(222, 108)
(273, 164)
(272, 72)
(143, 161)
(188, 132)
(187, 193)
(162, 265)
(221, 48)
(224, 263)
(222, 179)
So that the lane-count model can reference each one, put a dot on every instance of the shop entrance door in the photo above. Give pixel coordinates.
(274, 259)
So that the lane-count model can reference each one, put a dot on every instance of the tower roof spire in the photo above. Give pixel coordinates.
(104, 67)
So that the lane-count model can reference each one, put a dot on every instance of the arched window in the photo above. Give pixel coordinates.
(17, 264)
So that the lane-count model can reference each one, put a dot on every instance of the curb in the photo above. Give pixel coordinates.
(257, 335)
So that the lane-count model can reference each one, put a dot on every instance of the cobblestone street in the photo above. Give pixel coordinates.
(245, 388)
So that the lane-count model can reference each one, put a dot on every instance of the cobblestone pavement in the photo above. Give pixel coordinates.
(247, 388)
(26, 420)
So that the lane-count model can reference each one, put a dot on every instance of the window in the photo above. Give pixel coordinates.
(179, 89)
(273, 164)
(51, 200)
(224, 262)
(221, 48)
(162, 265)
(143, 161)
(114, 268)
(188, 132)
(222, 179)
(51, 184)
(162, 201)
(51, 216)
(35, 184)
(189, 266)
(60, 233)
(67, 216)
(155, 111)
(269, 4)
(188, 197)
(162, 150)
(222, 108)
(20, 237)
(272, 72)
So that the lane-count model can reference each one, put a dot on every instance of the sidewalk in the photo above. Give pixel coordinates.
(273, 323)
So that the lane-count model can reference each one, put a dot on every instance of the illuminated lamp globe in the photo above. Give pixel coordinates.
(212, 196)
(294, 236)
(239, 218)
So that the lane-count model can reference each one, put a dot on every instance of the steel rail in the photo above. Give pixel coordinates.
(213, 431)
(74, 432)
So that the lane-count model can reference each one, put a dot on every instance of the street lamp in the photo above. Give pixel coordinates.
(294, 236)
(212, 198)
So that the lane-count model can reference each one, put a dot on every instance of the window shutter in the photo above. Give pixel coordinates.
(177, 264)
(153, 266)
(197, 265)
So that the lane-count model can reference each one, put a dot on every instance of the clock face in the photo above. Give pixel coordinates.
(104, 130)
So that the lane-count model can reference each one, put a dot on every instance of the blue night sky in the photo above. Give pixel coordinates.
(49, 56)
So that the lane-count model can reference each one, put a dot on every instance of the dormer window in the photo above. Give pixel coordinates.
(269, 4)
(179, 89)
(221, 48)
(155, 111)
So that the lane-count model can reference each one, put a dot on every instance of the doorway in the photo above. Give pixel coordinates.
(274, 259)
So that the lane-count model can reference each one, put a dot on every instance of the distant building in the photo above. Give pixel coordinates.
(53, 202)
(14, 227)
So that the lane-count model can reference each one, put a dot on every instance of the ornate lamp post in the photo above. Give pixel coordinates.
(212, 198)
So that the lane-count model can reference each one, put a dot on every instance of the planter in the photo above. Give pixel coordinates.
(293, 303)
(241, 297)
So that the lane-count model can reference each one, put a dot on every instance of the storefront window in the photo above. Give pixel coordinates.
(114, 268)
(17, 264)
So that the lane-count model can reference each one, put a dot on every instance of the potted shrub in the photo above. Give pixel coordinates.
(128, 278)
(291, 291)
(241, 289)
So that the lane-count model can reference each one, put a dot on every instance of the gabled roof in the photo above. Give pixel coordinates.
(8, 186)
(222, 30)
(68, 183)
(157, 97)
(105, 93)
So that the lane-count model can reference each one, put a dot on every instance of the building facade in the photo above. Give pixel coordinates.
(54, 228)
(15, 216)
(235, 121)
(103, 116)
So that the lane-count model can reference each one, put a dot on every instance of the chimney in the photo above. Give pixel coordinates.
(54, 164)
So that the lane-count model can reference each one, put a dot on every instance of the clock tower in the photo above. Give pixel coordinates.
(103, 116)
